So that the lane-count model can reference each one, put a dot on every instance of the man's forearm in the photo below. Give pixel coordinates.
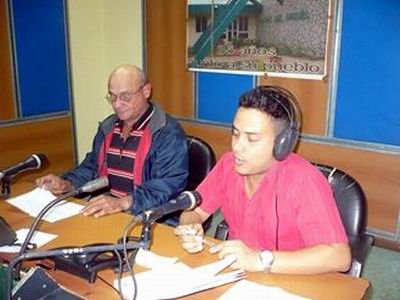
(312, 260)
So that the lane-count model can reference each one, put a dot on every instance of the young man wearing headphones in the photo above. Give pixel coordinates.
(280, 209)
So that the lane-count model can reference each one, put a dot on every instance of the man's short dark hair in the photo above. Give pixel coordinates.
(274, 101)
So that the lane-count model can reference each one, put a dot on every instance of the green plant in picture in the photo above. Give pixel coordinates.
(238, 42)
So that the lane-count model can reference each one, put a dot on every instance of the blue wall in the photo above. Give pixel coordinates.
(218, 95)
(41, 58)
(368, 97)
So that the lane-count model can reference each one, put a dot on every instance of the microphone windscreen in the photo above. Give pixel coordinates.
(195, 199)
(95, 185)
(40, 158)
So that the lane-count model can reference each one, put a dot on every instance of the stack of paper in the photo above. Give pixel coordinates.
(39, 238)
(177, 280)
(150, 260)
(33, 202)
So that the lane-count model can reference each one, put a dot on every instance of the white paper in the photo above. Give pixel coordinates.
(177, 280)
(39, 238)
(151, 260)
(214, 268)
(34, 201)
(250, 290)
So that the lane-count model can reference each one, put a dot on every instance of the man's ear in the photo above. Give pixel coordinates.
(147, 90)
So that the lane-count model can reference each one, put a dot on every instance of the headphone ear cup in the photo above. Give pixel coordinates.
(285, 142)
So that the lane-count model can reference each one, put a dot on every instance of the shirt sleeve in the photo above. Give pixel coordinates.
(213, 186)
(318, 218)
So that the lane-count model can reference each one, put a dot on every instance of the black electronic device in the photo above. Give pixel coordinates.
(37, 284)
(86, 265)
(34, 255)
(7, 234)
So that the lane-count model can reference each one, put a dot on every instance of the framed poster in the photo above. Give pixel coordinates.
(286, 38)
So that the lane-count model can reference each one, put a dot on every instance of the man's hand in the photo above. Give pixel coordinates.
(191, 237)
(247, 259)
(54, 184)
(104, 205)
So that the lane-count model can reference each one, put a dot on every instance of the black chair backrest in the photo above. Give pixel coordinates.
(201, 161)
(350, 200)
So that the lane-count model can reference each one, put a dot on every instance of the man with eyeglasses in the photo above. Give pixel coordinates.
(142, 150)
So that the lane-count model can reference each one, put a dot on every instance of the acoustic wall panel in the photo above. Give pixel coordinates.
(40, 55)
(218, 95)
(368, 101)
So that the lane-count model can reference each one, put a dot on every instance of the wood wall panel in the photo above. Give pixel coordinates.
(312, 96)
(53, 138)
(166, 56)
(378, 174)
(7, 107)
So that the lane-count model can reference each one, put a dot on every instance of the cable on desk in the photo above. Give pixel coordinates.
(127, 229)
(120, 267)
(109, 284)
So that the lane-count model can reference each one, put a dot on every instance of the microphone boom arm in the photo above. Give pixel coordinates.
(88, 187)
(35, 224)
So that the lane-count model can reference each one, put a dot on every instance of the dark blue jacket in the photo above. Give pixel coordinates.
(165, 166)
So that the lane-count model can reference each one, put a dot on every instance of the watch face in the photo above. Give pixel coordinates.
(267, 258)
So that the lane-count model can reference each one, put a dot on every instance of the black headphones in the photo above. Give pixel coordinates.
(286, 140)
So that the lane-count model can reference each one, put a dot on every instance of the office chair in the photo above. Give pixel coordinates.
(201, 160)
(352, 205)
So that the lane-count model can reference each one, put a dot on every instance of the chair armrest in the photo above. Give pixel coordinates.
(363, 246)
(360, 252)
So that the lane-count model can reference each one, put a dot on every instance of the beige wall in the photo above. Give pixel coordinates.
(103, 34)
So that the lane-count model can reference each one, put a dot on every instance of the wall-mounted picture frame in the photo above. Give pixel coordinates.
(285, 38)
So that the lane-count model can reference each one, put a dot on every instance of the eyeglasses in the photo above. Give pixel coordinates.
(125, 97)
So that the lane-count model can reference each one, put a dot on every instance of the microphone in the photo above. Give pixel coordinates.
(35, 161)
(93, 185)
(90, 186)
(186, 201)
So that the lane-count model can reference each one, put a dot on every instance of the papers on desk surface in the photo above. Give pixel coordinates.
(177, 280)
(250, 290)
(39, 238)
(148, 259)
(34, 201)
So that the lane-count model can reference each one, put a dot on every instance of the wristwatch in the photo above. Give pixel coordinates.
(267, 259)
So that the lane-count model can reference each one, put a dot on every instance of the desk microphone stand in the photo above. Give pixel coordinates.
(146, 234)
(5, 188)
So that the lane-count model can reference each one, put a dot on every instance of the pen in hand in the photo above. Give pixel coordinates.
(191, 231)
(212, 245)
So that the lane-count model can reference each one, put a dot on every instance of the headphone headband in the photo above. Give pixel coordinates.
(293, 111)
